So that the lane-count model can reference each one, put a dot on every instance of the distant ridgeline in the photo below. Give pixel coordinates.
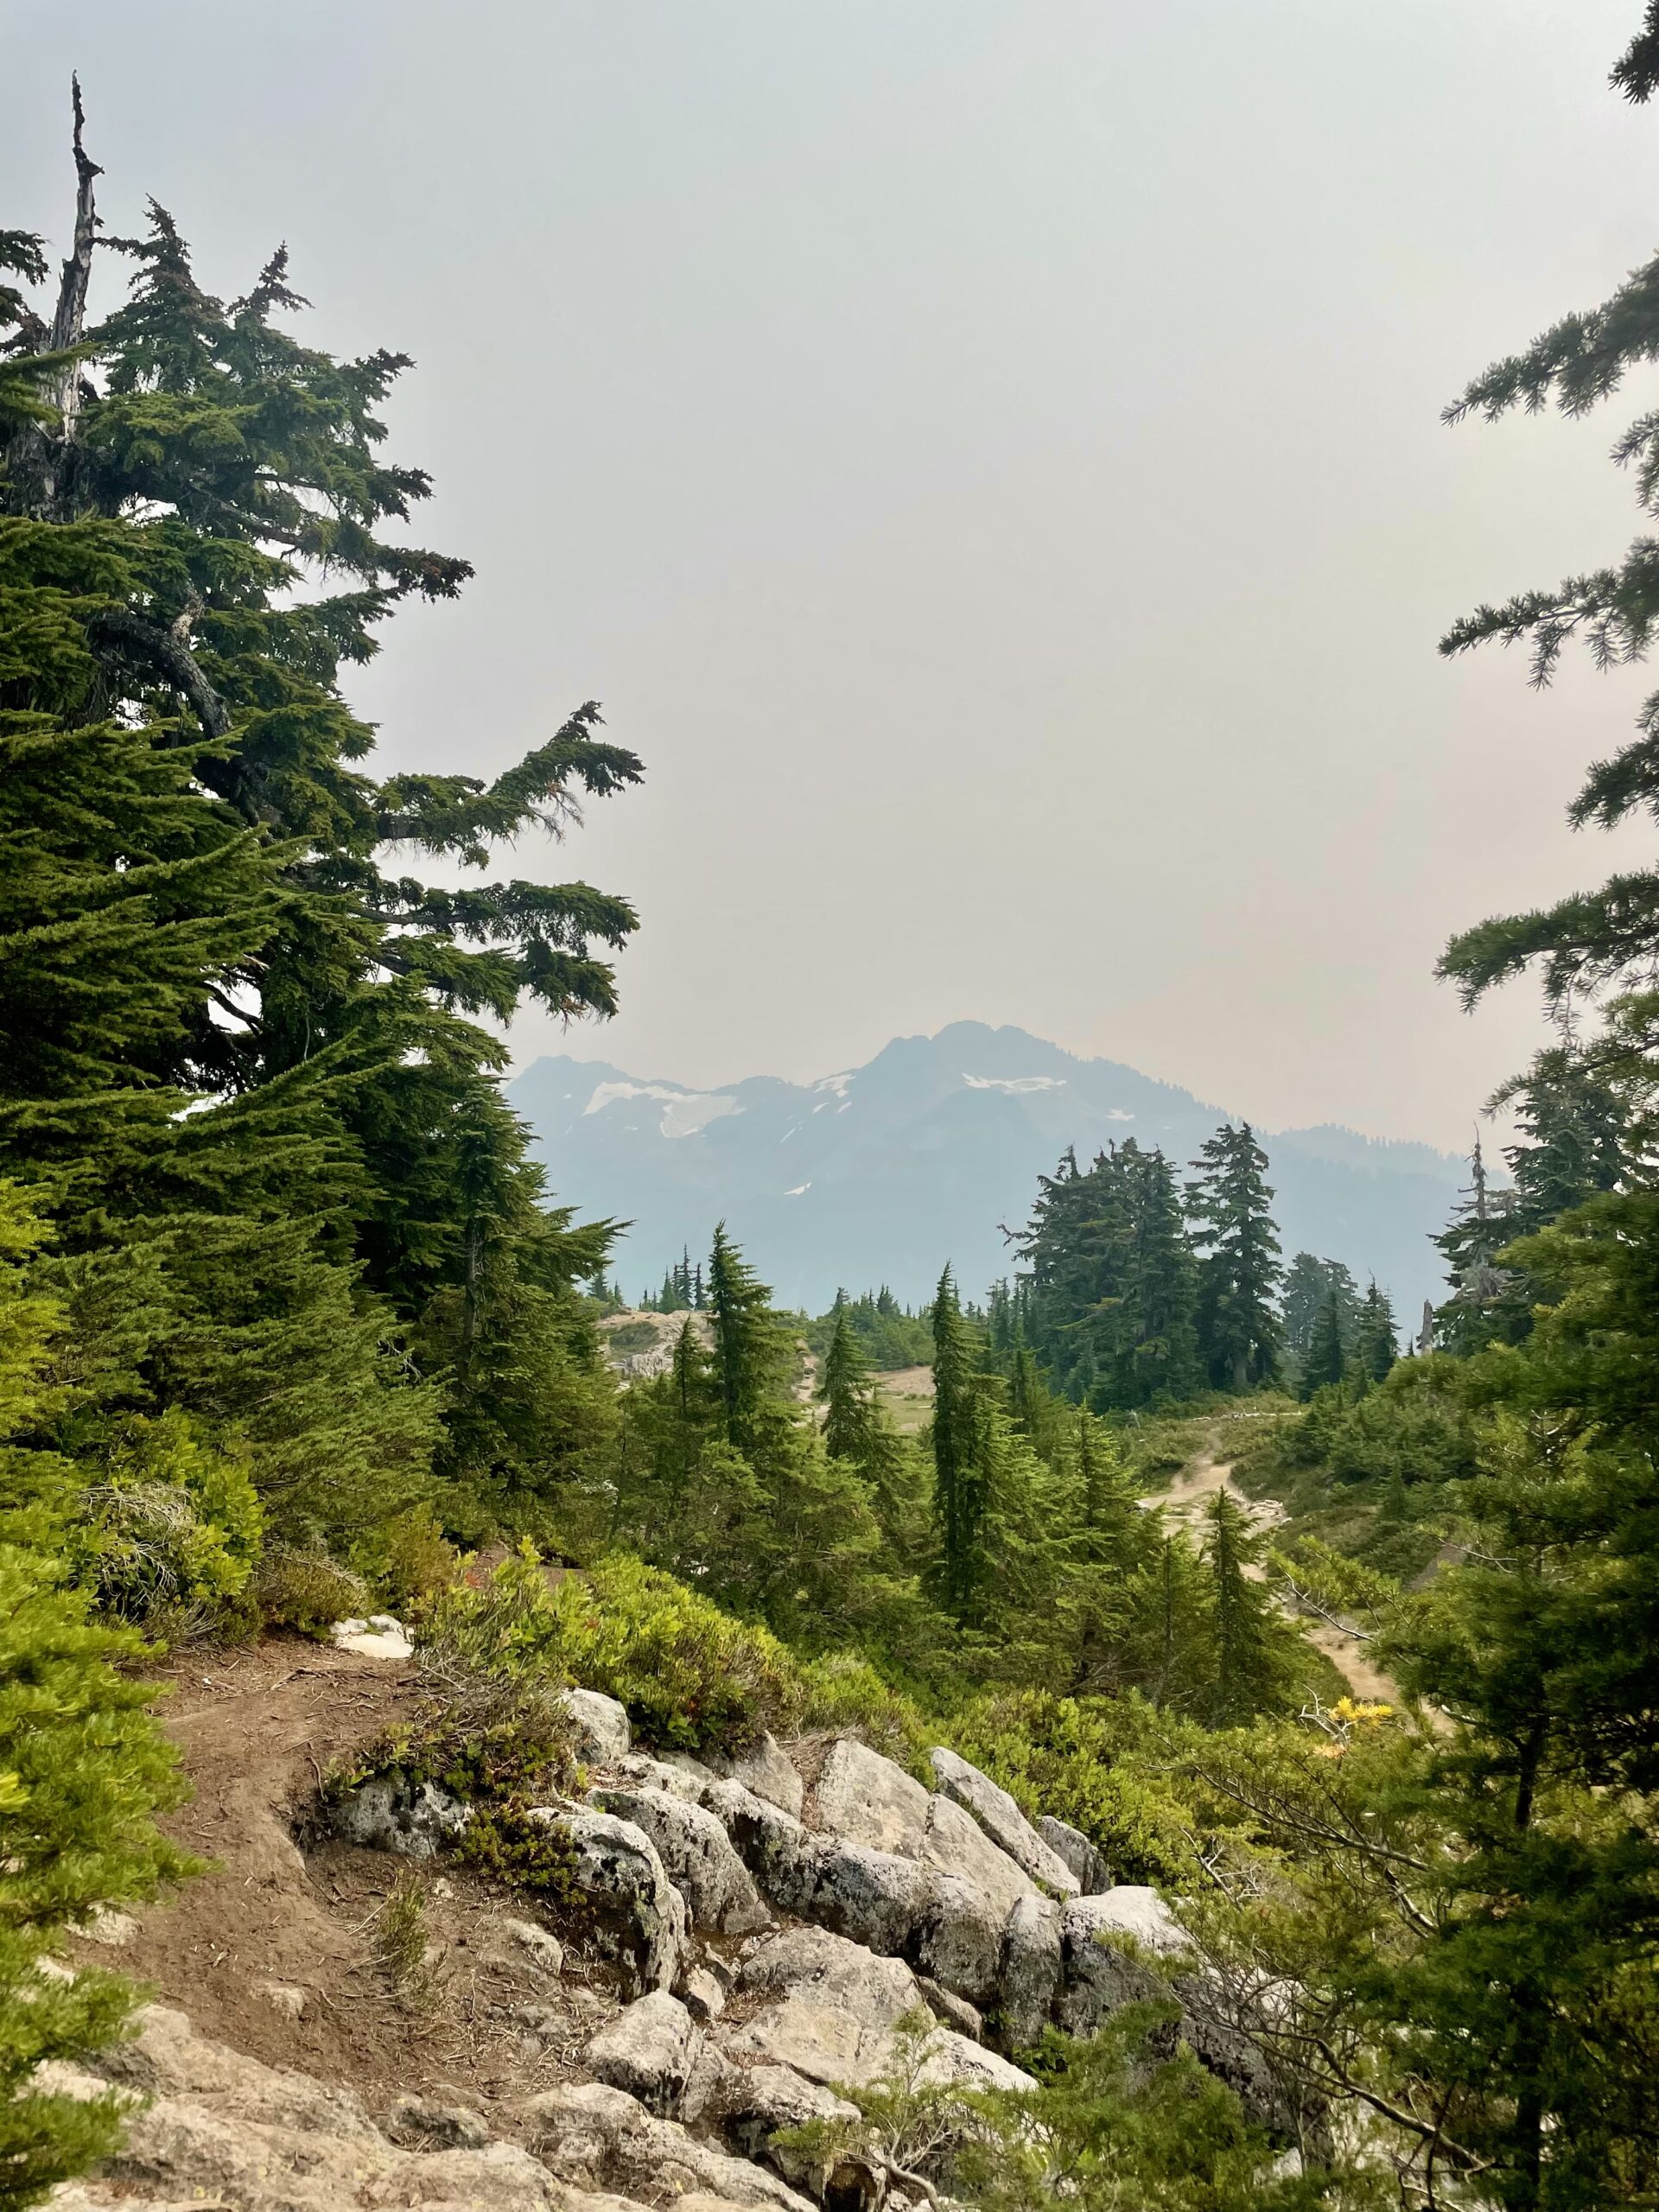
(882, 1173)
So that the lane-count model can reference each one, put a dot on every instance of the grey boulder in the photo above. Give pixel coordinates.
(1070, 1844)
(603, 1735)
(1029, 1983)
(393, 1812)
(868, 1799)
(641, 1916)
(766, 1768)
(648, 2051)
(1002, 1820)
(699, 1855)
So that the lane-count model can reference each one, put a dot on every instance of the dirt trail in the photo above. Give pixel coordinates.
(257, 1728)
(1186, 1502)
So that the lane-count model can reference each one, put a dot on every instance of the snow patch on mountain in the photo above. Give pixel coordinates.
(684, 1112)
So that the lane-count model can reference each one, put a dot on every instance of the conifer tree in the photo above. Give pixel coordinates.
(1376, 1344)
(748, 1344)
(848, 1397)
(1239, 1273)
(958, 1474)
(1250, 1642)
(1110, 1293)
(1326, 1360)
(196, 516)
(83, 1769)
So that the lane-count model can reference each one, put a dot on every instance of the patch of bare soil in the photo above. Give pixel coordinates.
(483, 2022)
(907, 1394)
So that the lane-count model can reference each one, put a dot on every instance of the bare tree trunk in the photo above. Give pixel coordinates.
(41, 458)
(70, 319)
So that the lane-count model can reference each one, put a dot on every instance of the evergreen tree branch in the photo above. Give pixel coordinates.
(167, 653)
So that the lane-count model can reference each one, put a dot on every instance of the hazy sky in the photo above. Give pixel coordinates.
(985, 456)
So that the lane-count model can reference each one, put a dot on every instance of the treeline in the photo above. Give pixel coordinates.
(1139, 1291)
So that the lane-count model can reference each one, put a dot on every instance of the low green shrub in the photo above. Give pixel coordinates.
(845, 1694)
(492, 1729)
(168, 1540)
(306, 1589)
(502, 1842)
(407, 1563)
(1095, 1763)
(692, 1678)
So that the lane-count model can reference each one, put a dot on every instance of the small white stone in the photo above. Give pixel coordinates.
(112, 1927)
(283, 1997)
(704, 1998)
(380, 1636)
(543, 1946)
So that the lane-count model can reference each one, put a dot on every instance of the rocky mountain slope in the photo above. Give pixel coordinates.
(885, 1172)
(732, 1952)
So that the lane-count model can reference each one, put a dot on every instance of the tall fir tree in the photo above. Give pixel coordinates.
(1326, 1360)
(1239, 1271)
(958, 1443)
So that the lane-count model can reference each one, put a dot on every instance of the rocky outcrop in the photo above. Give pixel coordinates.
(697, 1854)
(209, 2125)
(638, 1915)
(1002, 1821)
(1071, 1846)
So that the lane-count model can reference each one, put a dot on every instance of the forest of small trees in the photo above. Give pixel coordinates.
(290, 1324)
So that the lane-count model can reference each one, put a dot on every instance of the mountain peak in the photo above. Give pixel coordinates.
(884, 1172)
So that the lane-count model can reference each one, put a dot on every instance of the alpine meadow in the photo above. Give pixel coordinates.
(1171, 1728)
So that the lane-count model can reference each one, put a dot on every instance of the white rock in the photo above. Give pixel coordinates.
(283, 1997)
(648, 2051)
(954, 1842)
(702, 1993)
(380, 1636)
(603, 1732)
(115, 1930)
(766, 1768)
(1134, 1910)
(868, 1799)
(825, 2042)
(1094, 1876)
(701, 1862)
(593, 2136)
(641, 1915)
(953, 2059)
(816, 1963)
(1002, 1820)
(539, 1945)
(658, 1773)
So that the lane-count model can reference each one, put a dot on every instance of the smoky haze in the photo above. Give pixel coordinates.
(986, 458)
